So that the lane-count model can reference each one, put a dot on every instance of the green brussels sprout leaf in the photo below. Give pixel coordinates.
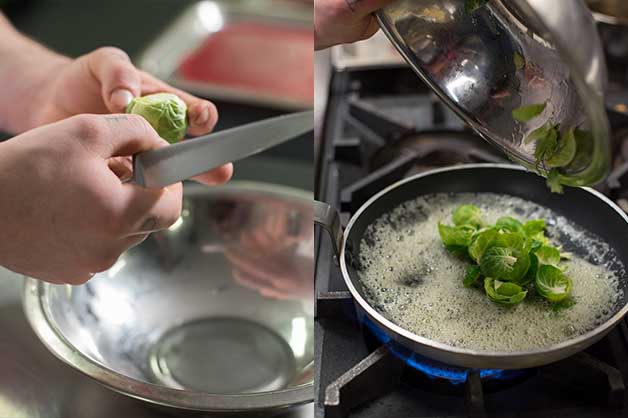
(539, 133)
(546, 146)
(531, 273)
(507, 223)
(527, 112)
(553, 181)
(518, 60)
(503, 293)
(165, 112)
(565, 152)
(548, 255)
(471, 6)
(481, 242)
(552, 284)
(533, 227)
(505, 263)
(456, 235)
(513, 240)
(468, 215)
(473, 276)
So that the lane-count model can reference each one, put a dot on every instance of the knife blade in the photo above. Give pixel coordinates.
(172, 164)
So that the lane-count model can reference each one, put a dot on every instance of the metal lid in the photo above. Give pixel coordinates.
(527, 75)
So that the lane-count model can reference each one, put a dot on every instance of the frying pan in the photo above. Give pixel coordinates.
(584, 206)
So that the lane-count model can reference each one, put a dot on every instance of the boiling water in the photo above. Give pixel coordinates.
(413, 281)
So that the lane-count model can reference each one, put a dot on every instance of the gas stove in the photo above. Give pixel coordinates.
(381, 125)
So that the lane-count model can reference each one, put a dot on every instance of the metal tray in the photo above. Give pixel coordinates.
(188, 31)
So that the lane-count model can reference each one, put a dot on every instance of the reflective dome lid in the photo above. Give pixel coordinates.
(526, 75)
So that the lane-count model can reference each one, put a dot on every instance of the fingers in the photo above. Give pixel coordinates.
(119, 79)
(116, 135)
(148, 210)
(344, 21)
(365, 7)
(217, 176)
(122, 167)
(202, 114)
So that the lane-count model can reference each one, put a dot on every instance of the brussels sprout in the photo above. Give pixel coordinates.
(505, 263)
(481, 242)
(503, 293)
(468, 215)
(533, 227)
(506, 223)
(455, 235)
(166, 113)
(513, 240)
(473, 276)
(552, 284)
(530, 275)
(548, 255)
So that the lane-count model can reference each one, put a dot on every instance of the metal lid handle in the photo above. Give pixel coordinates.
(328, 218)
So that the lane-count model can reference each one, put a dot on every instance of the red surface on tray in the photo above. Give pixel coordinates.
(272, 60)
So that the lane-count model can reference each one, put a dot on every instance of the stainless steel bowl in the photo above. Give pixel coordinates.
(215, 314)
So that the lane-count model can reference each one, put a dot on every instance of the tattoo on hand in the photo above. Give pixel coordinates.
(149, 224)
(116, 118)
(352, 4)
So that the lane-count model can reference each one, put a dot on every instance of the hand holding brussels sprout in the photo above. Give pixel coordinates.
(103, 81)
(165, 112)
(64, 214)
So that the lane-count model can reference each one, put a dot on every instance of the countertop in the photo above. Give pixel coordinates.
(33, 383)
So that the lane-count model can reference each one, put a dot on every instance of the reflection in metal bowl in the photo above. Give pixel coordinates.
(214, 314)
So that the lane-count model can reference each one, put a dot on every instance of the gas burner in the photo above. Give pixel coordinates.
(387, 374)
(434, 369)
(435, 376)
(381, 127)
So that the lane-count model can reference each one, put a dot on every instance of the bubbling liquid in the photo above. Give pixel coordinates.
(410, 278)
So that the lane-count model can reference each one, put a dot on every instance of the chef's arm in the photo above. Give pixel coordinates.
(25, 66)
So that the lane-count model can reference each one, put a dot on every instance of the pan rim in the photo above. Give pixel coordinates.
(584, 339)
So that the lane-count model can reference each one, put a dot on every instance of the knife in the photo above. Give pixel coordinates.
(172, 164)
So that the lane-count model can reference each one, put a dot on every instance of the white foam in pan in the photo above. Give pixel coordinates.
(412, 280)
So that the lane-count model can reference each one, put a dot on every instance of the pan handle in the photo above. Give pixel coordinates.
(328, 218)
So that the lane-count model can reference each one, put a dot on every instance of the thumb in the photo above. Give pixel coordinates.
(119, 79)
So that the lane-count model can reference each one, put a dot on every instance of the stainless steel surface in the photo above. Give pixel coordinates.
(214, 314)
(457, 355)
(186, 159)
(372, 53)
(468, 59)
(189, 30)
(612, 12)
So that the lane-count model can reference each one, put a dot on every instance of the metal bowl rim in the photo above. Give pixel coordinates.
(34, 292)
(583, 339)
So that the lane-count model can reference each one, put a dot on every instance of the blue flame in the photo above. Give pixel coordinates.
(432, 368)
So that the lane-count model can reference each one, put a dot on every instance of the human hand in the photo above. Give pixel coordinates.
(64, 213)
(105, 81)
(344, 21)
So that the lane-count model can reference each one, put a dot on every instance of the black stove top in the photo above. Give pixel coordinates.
(381, 126)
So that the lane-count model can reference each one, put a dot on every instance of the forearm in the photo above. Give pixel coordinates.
(25, 66)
